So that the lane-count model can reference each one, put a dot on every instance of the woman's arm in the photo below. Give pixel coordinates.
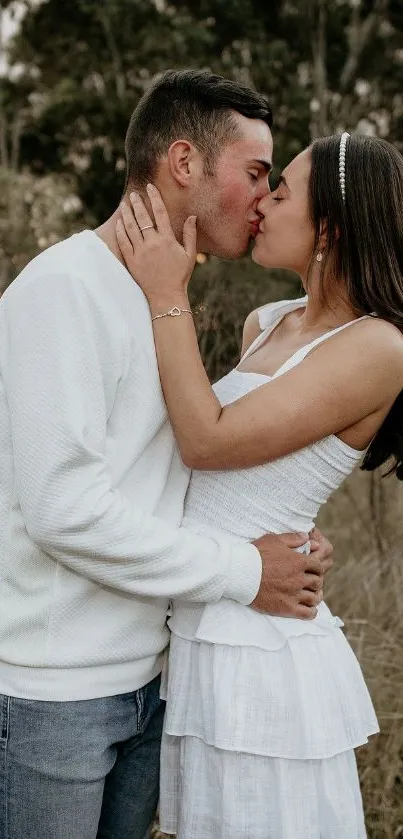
(352, 375)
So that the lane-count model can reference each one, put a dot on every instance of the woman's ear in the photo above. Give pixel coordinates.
(322, 243)
(182, 161)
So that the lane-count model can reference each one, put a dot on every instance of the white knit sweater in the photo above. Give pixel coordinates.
(91, 486)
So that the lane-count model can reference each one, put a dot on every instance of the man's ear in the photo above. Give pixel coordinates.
(183, 160)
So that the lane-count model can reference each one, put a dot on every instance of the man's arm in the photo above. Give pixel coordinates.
(56, 398)
(53, 378)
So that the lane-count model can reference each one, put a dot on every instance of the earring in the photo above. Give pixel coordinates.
(319, 256)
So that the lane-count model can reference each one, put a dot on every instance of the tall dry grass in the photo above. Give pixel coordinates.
(364, 520)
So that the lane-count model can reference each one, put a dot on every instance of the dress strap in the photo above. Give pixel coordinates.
(269, 316)
(268, 313)
(300, 354)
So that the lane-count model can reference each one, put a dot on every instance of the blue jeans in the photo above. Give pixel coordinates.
(80, 770)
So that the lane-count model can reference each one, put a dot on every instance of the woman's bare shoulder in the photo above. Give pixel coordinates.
(372, 348)
(379, 333)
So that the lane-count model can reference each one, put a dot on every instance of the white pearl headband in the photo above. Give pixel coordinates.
(342, 163)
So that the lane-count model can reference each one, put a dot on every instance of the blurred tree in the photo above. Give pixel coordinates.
(35, 212)
(78, 70)
(84, 65)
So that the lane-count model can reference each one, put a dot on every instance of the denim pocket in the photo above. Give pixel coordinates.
(5, 702)
(148, 702)
(139, 697)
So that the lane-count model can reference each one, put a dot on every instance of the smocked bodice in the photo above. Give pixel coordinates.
(279, 496)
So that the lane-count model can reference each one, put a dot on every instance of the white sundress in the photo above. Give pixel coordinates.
(263, 713)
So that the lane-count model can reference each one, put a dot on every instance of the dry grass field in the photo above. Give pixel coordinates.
(364, 520)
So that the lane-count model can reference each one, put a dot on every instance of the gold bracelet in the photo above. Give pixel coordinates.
(173, 313)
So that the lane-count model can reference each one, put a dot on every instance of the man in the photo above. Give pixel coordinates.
(92, 488)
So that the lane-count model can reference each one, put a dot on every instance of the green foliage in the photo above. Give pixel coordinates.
(84, 65)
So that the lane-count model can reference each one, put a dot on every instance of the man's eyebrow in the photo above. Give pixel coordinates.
(267, 165)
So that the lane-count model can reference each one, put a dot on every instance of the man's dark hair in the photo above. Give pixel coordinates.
(193, 105)
(364, 247)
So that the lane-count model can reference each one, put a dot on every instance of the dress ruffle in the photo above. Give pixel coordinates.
(228, 622)
(206, 792)
(303, 697)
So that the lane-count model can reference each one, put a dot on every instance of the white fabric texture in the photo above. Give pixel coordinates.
(92, 486)
(307, 700)
(278, 701)
(212, 794)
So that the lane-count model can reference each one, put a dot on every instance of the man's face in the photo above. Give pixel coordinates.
(226, 202)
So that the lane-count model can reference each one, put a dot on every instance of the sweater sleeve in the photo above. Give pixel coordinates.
(55, 383)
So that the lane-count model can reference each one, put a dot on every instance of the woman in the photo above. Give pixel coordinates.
(263, 713)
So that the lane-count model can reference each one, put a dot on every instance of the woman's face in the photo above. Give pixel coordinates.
(286, 234)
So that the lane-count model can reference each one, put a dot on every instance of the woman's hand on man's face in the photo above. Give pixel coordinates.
(161, 266)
